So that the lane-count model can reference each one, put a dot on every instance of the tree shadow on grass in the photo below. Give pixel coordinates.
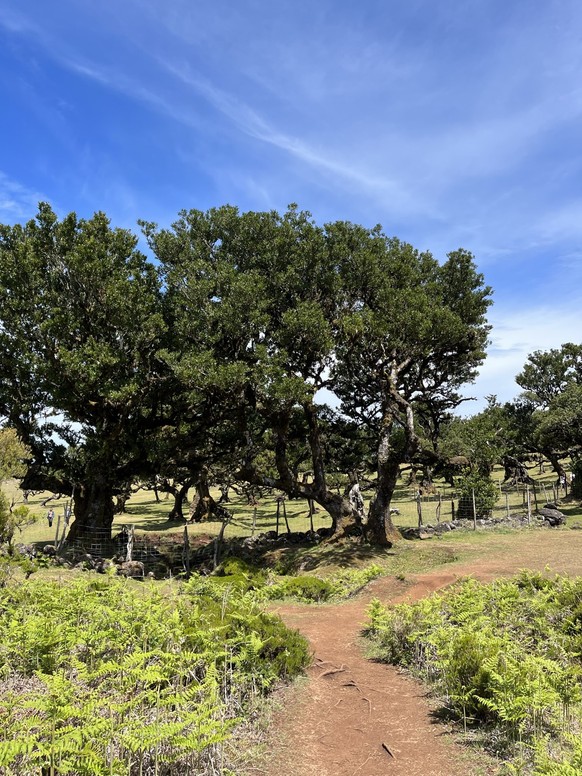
(310, 557)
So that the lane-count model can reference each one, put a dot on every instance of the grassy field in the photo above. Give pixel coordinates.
(149, 516)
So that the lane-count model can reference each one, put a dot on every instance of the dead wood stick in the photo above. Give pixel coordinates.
(386, 749)
(369, 705)
(375, 689)
(331, 671)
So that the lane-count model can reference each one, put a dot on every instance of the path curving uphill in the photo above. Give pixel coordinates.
(357, 717)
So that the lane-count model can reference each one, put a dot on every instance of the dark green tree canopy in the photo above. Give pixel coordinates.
(81, 327)
(546, 374)
(115, 367)
(415, 331)
(548, 411)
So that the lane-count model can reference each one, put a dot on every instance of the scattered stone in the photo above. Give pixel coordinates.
(102, 565)
(131, 568)
(547, 517)
(553, 516)
(26, 550)
(50, 550)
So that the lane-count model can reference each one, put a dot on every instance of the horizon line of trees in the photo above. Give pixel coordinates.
(204, 363)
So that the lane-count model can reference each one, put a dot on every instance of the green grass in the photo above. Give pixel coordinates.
(149, 516)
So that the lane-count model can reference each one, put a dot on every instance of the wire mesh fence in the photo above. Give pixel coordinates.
(166, 548)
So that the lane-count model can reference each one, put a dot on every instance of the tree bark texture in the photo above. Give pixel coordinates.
(202, 505)
(93, 510)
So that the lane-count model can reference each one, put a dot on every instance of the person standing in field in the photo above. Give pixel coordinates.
(50, 516)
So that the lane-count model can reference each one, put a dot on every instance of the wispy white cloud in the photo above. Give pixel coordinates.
(17, 202)
(16, 22)
(249, 121)
(451, 123)
(516, 334)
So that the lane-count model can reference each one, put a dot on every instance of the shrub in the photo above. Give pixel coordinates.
(485, 495)
(304, 588)
(102, 678)
(505, 654)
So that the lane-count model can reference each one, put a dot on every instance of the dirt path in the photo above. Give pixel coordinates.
(355, 717)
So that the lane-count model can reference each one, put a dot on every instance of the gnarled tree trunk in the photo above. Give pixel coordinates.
(93, 510)
(202, 505)
(180, 495)
(379, 527)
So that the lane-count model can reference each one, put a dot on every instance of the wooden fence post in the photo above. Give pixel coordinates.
(438, 509)
(474, 510)
(285, 517)
(507, 504)
(57, 532)
(254, 528)
(535, 495)
(310, 503)
(419, 508)
(218, 541)
(130, 539)
(278, 509)
(528, 507)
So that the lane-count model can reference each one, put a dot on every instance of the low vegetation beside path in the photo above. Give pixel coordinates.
(102, 677)
(505, 660)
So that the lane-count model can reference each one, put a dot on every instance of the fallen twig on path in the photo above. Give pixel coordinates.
(369, 705)
(386, 749)
(332, 671)
(351, 683)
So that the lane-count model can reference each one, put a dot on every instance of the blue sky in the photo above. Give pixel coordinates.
(454, 123)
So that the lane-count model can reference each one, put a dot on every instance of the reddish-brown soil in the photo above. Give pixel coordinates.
(357, 717)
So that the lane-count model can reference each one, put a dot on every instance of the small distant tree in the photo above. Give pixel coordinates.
(550, 405)
(546, 374)
(13, 519)
(13, 455)
(484, 490)
(482, 439)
